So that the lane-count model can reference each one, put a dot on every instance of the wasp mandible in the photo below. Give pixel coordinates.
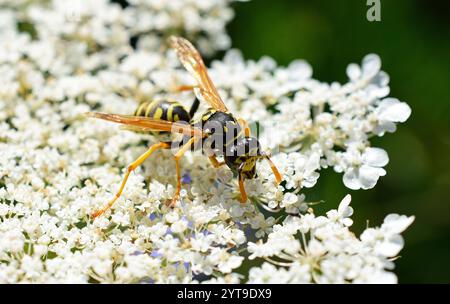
(217, 133)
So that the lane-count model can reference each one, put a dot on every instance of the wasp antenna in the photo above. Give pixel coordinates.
(266, 154)
(274, 169)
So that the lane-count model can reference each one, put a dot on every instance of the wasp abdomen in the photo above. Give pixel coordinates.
(165, 110)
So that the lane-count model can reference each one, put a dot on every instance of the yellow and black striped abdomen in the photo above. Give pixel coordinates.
(164, 110)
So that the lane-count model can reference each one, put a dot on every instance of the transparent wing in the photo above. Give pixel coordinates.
(141, 123)
(193, 62)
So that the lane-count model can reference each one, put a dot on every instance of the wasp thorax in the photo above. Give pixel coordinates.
(223, 132)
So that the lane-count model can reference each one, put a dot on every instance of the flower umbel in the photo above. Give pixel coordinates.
(56, 167)
(322, 249)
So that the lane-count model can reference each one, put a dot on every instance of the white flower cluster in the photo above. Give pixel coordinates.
(332, 122)
(322, 249)
(198, 20)
(59, 59)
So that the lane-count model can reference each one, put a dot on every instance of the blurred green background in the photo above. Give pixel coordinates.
(413, 42)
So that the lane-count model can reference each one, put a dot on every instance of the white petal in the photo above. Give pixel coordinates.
(377, 92)
(392, 109)
(371, 65)
(351, 180)
(384, 277)
(344, 210)
(391, 247)
(315, 248)
(381, 79)
(385, 126)
(353, 71)
(375, 157)
(267, 63)
(368, 235)
(233, 56)
(313, 163)
(368, 176)
(397, 223)
(300, 69)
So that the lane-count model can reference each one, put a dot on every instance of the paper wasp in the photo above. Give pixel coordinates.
(231, 136)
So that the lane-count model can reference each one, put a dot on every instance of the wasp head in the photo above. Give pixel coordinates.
(242, 156)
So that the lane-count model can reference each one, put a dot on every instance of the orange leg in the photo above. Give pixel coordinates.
(242, 189)
(244, 125)
(274, 170)
(215, 162)
(177, 157)
(130, 169)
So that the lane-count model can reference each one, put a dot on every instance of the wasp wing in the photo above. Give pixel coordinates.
(193, 62)
(142, 123)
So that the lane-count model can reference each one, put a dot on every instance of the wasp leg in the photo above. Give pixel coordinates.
(130, 169)
(215, 162)
(244, 125)
(242, 189)
(177, 157)
(194, 107)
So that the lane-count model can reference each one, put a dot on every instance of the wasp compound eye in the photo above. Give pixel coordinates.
(248, 146)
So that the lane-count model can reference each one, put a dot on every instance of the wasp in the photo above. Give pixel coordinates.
(217, 132)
